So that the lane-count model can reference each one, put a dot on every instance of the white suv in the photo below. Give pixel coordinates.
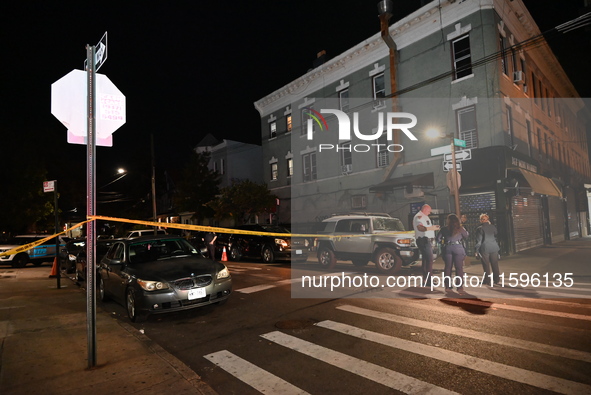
(363, 237)
(144, 232)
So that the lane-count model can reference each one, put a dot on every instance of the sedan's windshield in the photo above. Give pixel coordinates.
(388, 224)
(154, 250)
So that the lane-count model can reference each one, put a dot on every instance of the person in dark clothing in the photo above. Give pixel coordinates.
(487, 249)
(451, 237)
(210, 244)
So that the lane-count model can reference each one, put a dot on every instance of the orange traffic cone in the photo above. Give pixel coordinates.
(224, 256)
(54, 269)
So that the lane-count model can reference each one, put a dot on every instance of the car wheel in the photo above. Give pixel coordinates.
(20, 261)
(360, 262)
(268, 256)
(101, 290)
(131, 305)
(235, 254)
(387, 261)
(326, 258)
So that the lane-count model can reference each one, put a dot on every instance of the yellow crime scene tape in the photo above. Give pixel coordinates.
(198, 228)
(28, 246)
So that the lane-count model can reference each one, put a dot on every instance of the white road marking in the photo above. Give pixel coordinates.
(538, 380)
(368, 370)
(257, 378)
(497, 339)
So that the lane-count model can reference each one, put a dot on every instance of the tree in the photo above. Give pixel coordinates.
(243, 199)
(198, 186)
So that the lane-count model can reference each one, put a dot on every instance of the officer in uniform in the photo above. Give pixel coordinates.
(424, 234)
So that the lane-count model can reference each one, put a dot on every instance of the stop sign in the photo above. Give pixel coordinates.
(69, 100)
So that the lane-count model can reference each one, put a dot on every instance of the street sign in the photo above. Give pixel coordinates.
(445, 149)
(100, 56)
(68, 104)
(460, 143)
(48, 186)
(449, 178)
(465, 154)
(447, 166)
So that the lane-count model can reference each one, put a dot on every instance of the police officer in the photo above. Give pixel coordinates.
(424, 234)
(210, 244)
(487, 249)
(451, 237)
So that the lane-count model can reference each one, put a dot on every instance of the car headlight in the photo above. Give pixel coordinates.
(282, 243)
(224, 273)
(71, 257)
(152, 285)
(405, 242)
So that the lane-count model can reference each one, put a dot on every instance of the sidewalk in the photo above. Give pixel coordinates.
(43, 345)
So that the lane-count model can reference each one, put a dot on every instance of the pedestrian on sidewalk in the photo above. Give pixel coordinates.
(487, 249)
(451, 238)
(425, 234)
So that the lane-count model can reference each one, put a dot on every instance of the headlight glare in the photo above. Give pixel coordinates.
(152, 285)
(282, 243)
(224, 273)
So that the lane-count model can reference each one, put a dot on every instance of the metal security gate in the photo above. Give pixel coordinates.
(572, 215)
(526, 214)
(556, 210)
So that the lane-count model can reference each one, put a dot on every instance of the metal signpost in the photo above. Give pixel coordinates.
(452, 162)
(80, 117)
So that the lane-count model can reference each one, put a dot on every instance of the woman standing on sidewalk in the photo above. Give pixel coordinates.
(451, 237)
(487, 249)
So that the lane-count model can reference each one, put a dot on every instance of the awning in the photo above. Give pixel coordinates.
(540, 184)
(417, 181)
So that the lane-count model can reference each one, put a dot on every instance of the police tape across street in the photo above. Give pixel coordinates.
(344, 280)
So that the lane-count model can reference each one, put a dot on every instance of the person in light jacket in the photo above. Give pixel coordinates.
(487, 249)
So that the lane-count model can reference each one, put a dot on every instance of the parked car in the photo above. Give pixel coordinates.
(365, 237)
(160, 274)
(101, 248)
(145, 232)
(262, 246)
(44, 252)
(69, 253)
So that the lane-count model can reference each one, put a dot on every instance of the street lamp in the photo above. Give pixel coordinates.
(453, 174)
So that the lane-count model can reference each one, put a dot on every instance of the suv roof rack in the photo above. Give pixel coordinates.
(361, 213)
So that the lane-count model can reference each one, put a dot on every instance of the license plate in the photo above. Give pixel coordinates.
(196, 293)
(298, 252)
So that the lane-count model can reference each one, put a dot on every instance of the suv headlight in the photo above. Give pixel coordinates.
(282, 243)
(152, 285)
(224, 273)
(405, 242)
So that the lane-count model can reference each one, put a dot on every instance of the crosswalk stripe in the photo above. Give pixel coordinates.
(368, 370)
(259, 379)
(493, 368)
(262, 287)
(524, 309)
(502, 340)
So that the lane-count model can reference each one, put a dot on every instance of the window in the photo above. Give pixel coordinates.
(344, 100)
(307, 116)
(309, 161)
(383, 159)
(359, 202)
(272, 130)
(379, 89)
(467, 126)
(510, 125)
(504, 60)
(222, 166)
(540, 146)
(462, 58)
(529, 137)
(274, 171)
(346, 157)
(288, 123)
(524, 73)
(289, 167)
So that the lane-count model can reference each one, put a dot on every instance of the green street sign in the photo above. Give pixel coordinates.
(460, 143)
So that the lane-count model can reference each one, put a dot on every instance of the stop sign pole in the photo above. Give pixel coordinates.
(90, 206)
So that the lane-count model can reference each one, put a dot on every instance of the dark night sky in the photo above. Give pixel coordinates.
(187, 70)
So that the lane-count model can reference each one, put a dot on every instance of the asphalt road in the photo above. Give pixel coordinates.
(267, 340)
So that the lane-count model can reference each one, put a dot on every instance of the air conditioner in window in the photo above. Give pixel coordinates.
(518, 77)
(414, 193)
(347, 169)
(558, 120)
(525, 88)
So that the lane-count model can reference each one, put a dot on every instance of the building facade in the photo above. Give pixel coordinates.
(341, 139)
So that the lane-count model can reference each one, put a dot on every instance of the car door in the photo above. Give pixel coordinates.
(354, 238)
(112, 266)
